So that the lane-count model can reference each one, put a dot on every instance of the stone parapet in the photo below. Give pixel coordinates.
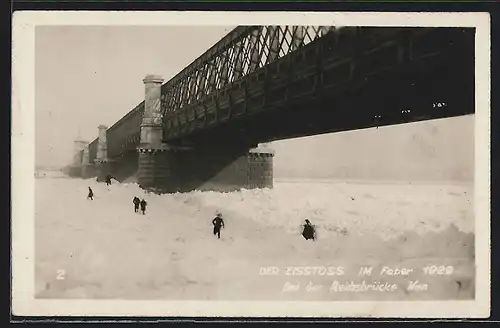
(265, 151)
(148, 148)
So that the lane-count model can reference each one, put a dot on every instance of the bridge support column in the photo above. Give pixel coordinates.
(168, 168)
(157, 169)
(102, 163)
(84, 161)
(153, 160)
(76, 166)
(260, 168)
(88, 168)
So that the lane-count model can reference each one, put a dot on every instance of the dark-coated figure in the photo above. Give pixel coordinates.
(136, 202)
(143, 204)
(91, 194)
(309, 231)
(218, 222)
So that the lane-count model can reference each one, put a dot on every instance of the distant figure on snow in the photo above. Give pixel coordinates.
(136, 202)
(91, 194)
(108, 180)
(143, 206)
(218, 222)
(309, 231)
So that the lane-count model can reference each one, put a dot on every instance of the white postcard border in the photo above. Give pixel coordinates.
(22, 157)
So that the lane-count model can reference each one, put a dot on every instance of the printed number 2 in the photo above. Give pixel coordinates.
(60, 274)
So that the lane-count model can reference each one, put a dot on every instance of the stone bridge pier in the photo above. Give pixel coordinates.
(168, 168)
(75, 168)
(87, 168)
(165, 167)
(102, 162)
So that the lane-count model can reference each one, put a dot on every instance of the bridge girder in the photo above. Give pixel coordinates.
(256, 69)
(328, 66)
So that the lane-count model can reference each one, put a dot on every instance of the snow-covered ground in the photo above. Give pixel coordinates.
(102, 249)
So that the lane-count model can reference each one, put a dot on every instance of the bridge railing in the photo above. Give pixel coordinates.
(202, 88)
(124, 135)
(330, 62)
(246, 50)
(243, 51)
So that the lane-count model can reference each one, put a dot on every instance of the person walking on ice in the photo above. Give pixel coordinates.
(143, 206)
(218, 222)
(136, 202)
(91, 194)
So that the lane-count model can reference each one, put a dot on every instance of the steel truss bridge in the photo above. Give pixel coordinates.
(265, 83)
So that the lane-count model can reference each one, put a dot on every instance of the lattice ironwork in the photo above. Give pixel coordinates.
(241, 52)
(245, 72)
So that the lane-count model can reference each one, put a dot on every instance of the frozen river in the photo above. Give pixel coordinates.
(102, 249)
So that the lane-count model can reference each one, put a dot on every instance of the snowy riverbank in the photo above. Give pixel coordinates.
(102, 249)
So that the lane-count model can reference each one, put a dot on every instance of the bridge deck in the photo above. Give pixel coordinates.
(262, 83)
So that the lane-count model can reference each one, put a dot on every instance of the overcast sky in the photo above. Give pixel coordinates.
(86, 76)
